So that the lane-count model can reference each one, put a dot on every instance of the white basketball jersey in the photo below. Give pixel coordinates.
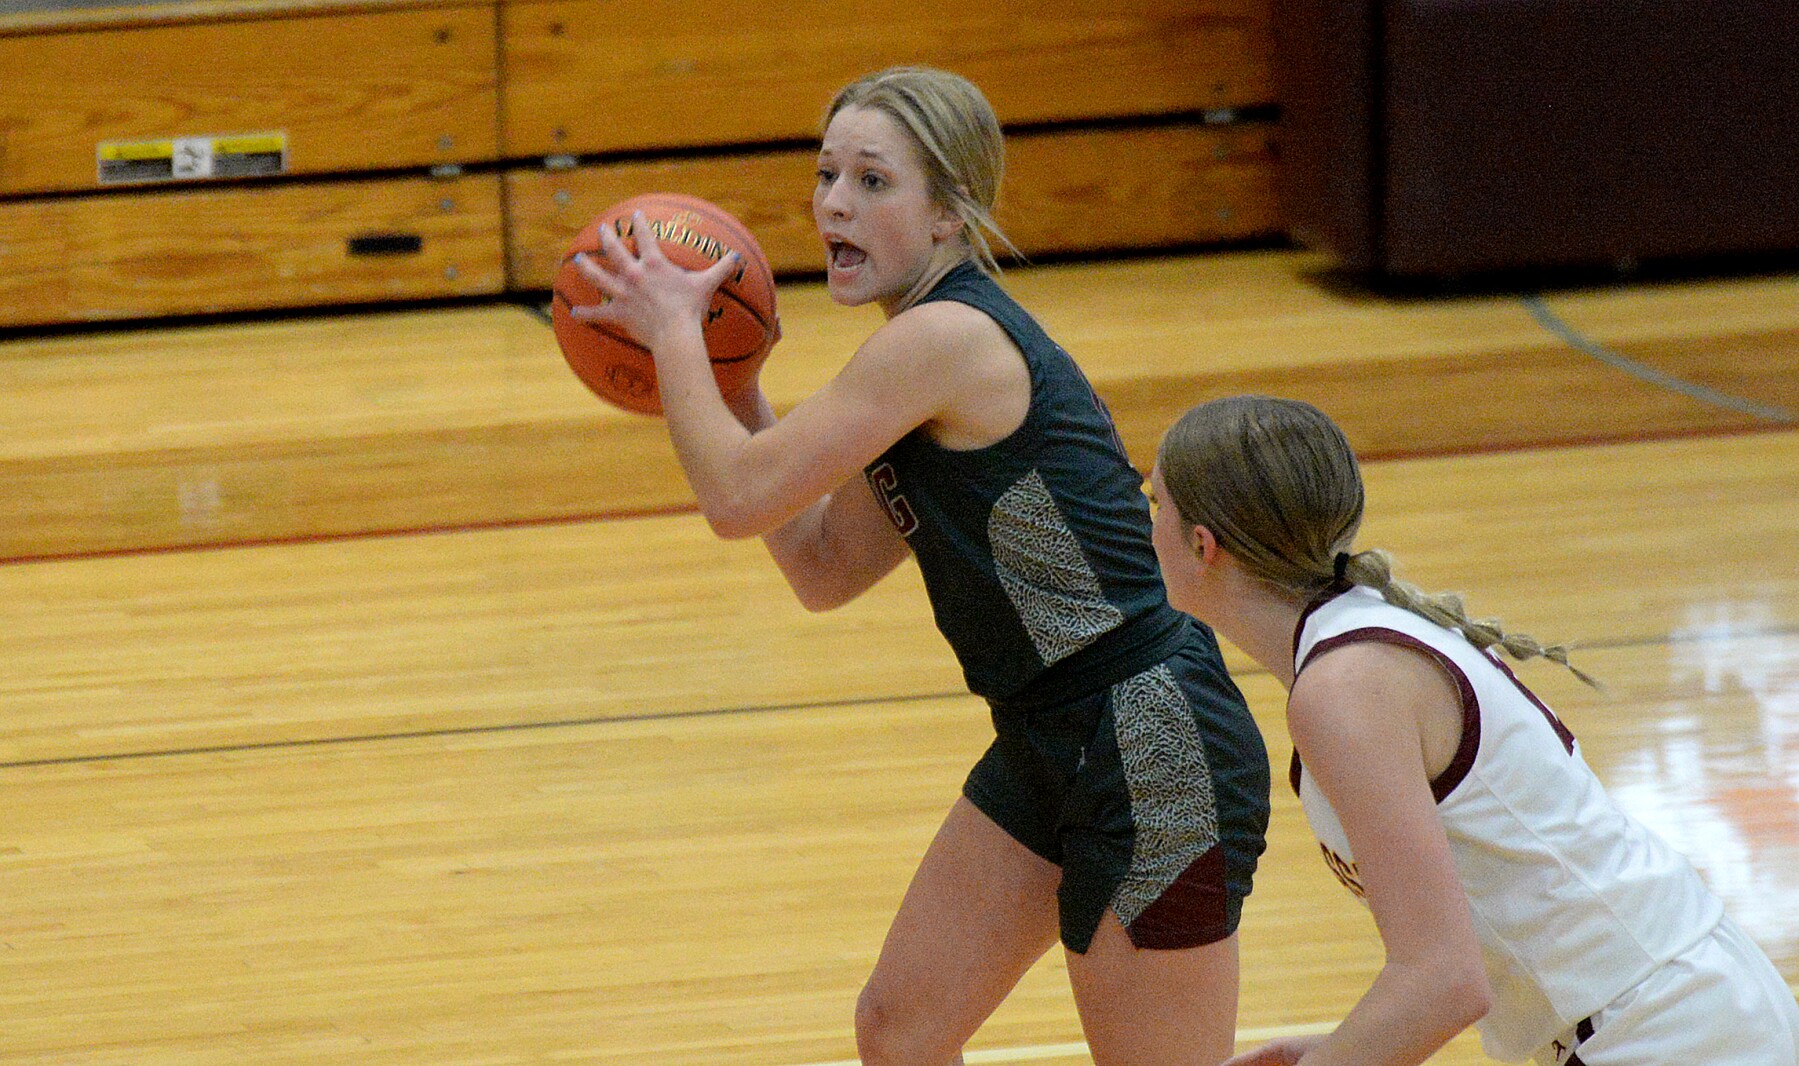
(1574, 901)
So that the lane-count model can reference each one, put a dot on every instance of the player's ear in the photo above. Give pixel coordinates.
(1205, 548)
(948, 223)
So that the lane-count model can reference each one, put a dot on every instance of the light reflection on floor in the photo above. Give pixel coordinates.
(1714, 767)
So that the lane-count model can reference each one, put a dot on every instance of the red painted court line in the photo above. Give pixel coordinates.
(687, 509)
(352, 535)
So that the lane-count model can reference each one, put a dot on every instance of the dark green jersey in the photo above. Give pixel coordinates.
(1035, 550)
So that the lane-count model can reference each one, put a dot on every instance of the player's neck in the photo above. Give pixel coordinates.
(1260, 621)
(945, 259)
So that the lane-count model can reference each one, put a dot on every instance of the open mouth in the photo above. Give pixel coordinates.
(845, 256)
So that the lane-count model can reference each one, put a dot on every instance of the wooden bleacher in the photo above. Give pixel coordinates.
(385, 150)
(450, 148)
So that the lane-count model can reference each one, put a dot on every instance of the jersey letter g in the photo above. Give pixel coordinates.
(885, 481)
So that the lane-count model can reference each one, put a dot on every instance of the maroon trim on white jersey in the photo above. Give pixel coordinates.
(1318, 601)
(1562, 732)
(1294, 769)
(1469, 746)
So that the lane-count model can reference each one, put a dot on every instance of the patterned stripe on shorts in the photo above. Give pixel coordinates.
(1170, 784)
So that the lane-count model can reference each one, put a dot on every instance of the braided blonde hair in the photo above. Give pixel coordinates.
(1277, 483)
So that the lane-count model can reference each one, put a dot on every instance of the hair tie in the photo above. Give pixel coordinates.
(1340, 566)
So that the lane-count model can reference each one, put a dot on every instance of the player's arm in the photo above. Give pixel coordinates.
(839, 547)
(1355, 717)
(912, 369)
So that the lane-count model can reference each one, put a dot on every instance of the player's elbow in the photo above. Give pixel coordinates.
(820, 589)
(821, 596)
(730, 527)
(1448, 989)
(1467, 995)
(730, 519)
(819, 602)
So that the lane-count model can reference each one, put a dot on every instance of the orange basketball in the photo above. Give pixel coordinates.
(740, 326)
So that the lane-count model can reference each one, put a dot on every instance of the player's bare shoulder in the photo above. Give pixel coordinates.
(984, 378)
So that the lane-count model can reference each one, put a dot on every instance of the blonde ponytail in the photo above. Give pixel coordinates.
(1277, 483)
(1374, 568)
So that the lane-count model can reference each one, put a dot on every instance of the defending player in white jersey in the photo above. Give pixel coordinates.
(1510, 892)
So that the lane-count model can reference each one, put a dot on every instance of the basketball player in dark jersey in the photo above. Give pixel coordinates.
(1122, 805)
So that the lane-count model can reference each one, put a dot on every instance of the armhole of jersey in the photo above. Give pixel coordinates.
(1027, 430)
(1562, 732)
(1468, 747)
(1296, 770)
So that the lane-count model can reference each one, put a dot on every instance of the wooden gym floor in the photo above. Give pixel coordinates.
(373, 696)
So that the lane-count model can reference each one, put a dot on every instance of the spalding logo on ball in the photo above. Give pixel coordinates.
(741, 325)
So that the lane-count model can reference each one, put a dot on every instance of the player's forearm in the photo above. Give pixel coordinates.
(802, 552)
(708, 437)
(1407, 1015)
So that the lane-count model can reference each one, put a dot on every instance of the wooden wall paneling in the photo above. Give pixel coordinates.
(360, 91)
(1105, 190)
(1065, 191)
(122, 14)
(770, 192)
(227, 249)
(585, 76)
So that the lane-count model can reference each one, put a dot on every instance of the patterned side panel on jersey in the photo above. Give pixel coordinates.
(1170, 783)
(1050, 583)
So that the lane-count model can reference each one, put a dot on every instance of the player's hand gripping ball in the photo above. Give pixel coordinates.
(741, 325)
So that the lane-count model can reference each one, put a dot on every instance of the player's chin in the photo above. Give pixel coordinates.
(847, 290)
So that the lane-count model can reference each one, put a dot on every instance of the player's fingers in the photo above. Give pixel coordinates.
(605, 308)
(604, 280)
(649, 248)
(614, 246)
(714, 276)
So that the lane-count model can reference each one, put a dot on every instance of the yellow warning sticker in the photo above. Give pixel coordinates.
(250, 144)
(132, 151)
(235, 155)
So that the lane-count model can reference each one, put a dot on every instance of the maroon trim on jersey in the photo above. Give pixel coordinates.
(1294, 769)
(1318, 601)
(1583, 1032)
(1463, 761)
(1561, 730)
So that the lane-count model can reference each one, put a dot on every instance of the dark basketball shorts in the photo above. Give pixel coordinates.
(1151, 795)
